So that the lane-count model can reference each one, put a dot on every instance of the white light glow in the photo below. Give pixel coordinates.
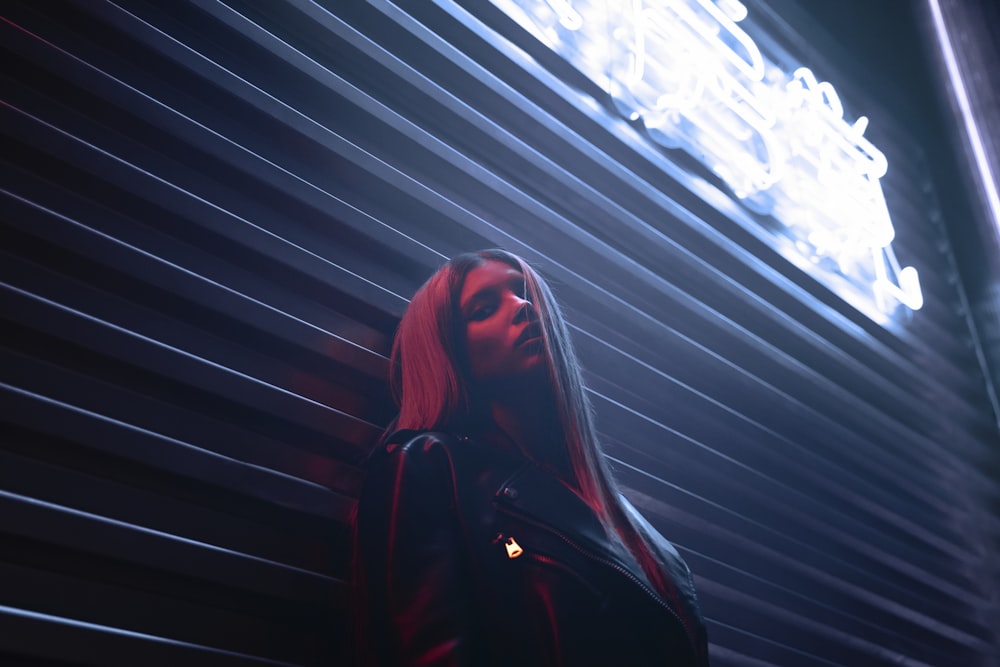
(968, 118)
(779, 140)
(568, 17)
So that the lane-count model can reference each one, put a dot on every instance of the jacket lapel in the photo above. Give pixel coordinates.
(538, 495)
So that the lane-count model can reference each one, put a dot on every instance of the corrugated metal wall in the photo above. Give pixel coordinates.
(213, 215)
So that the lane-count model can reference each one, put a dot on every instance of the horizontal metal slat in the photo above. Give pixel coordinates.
(44, 470)
(39, 413)
(266, 629)
(172, 320)
(818, 577)
(49, 637)
(203, 376)
(29, 518)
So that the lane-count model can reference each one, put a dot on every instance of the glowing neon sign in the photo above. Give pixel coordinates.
(778, 139)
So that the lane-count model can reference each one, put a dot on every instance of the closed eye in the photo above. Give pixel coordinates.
(481, 312)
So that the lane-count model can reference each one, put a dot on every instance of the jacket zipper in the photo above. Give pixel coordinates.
(613, 565)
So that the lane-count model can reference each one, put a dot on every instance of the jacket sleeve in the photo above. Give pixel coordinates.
(413, 560)
(681, 578)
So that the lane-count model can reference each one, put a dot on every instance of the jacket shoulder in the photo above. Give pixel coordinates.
(412, 454)
(669, 557)
(416, 441)
(665, 549)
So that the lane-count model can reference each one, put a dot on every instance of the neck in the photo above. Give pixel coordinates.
(528, 421)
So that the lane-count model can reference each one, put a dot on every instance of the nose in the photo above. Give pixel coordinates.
(525, 310)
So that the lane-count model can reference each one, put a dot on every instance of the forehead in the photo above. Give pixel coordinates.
(489, 274)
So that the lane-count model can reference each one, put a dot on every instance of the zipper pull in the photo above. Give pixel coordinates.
(513, 548)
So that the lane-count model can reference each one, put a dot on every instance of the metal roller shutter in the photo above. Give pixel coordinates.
(214, 213)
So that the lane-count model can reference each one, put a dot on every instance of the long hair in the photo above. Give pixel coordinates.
(430, 380)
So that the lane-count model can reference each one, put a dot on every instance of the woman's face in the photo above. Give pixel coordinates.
(502, 332)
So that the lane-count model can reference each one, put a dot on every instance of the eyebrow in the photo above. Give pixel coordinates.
(516, 280)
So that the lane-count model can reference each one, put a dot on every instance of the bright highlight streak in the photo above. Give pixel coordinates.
(962, 97)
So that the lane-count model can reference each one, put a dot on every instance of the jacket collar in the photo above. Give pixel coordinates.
(539, 495)
(542, 497)
(530, 491)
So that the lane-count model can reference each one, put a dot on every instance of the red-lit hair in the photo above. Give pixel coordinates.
(430, 381)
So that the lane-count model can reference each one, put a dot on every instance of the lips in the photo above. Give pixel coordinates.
(529, 332)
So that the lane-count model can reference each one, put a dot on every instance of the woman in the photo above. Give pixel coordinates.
(489, 530)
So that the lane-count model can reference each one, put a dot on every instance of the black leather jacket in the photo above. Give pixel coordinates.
(469, 555)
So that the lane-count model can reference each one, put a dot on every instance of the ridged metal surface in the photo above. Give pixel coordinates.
(213, 217)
